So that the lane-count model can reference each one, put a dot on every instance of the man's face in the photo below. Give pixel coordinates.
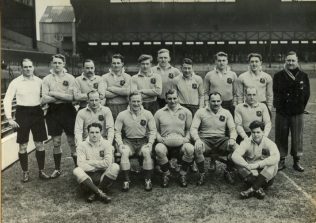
(27, 68)
(163, 59)
(221, 62)
(117, 64)
(172, 100)
(251, 96)
(94, 134)
(187, 70)
(135, 102)
(145, 65)
(215, 102)
(255, 63)
(291, 62)
(94, 100)
(58, 64)
(89, 69)
(257, 135)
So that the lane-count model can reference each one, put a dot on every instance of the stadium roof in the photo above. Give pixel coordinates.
(54, 14)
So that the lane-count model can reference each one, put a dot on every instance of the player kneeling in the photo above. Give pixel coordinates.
(96, 170)
(257, 161)
(173, 136)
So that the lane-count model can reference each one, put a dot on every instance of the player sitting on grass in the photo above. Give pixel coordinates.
(96, 170)
(257, 161)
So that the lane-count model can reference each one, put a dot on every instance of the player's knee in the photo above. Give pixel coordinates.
(39, 146)
(23, 148)
(57, 141)
(188, 149)
(161, 150)
(125, 151)
(80, 174)
(114, 169)
(146, 152)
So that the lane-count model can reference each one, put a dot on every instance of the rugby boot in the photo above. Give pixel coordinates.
(297, 166)
(103, 197)
(281, 165)
(91, 198)
(125, 187)
(25, 177)
(42, 175)
(165, 180)
(247, 193)
(201, 180)
(260, 194)
(183, 181)
(148, 185)
(55, 174)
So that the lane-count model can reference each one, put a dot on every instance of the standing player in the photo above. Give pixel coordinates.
(292, 91)
(135, 133)
(94, 113)
(115, 86)
(58, 93)
(96, 171)
(257, 161)
(255, 77)
(208, 132)
(85, 83)
(248, 112)
(147, 83)
(222, 80)
(189, 87)
(167, 73)
(29, 116)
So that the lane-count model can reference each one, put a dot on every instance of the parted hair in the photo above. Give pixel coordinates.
(60, 56)
(87, 61)
(256, 124)
(26, 60)
(118, 56)
(95, 124)
(171, 91)
(254, 55)
(144, 57)
(187, 61)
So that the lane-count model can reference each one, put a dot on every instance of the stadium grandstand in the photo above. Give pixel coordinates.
(196, 29)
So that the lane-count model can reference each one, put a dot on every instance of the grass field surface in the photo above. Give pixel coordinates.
(291, 199)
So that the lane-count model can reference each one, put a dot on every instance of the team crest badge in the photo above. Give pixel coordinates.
(153, 80)
(101, 153)
(265, 152)
(142, 122)
(181, 116)
(65, 83)
(262, 80)
(259, 113)
(171, 75)
(95, 85)
(194, 86)
(222, 118)
(229, 80)
(101, 118)
(122, 82)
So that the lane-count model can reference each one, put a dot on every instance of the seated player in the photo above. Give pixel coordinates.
(96, 170)
(173, 136)
(135, 133)
(257, 161)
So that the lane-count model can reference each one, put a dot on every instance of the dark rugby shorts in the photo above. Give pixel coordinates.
(30, 118)
(61, 117)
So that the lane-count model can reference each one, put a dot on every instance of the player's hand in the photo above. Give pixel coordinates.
(13, 123)
(199, 145)
(253, 166)
(231, 143)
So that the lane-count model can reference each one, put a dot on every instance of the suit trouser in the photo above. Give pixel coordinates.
(285, 124)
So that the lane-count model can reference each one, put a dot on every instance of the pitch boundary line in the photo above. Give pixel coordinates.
(307, 195)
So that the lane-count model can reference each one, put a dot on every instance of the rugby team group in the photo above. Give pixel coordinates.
(161, 114)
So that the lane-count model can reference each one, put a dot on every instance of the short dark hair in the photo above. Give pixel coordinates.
(187, 61)
(92, 92)
(133, 94)
(254, 55)
(25, 60)
(171, 91)
(290, 53)
(60, 56)
(215, 93)
(118, 56)
(87, 61)
(144, 57)
(220, 54)
(256, 124)
(95, 124)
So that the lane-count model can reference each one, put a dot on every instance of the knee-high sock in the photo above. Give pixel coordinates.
(201, 167)
(126, 175)
(259, 182)
(89, 184)
(23, 157)
(148, 174)
(57, 159)
(106, 183)
(40, 157)
(165, 167)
